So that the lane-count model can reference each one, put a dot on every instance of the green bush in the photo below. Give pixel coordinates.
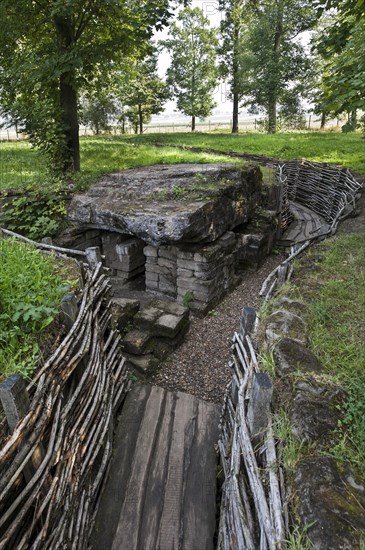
(30, 294)
(35, 211)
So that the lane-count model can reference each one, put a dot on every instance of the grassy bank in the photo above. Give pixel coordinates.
(337, 329)
(337, 148)
(21, 165)
(31, 288)
(330, 280)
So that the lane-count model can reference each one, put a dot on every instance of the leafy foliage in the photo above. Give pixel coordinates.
(98, 111)
(57, 49)
(193, 73)
(236, 17)
(273, 65)
(30, 294)
(146, 92)
(132, 90)
(36, 210)
(342, 48)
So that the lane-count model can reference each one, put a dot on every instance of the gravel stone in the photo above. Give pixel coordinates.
(199, 366)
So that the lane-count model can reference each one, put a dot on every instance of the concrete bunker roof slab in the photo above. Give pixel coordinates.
(170, 204)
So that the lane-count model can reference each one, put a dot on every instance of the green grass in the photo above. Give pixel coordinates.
(291, 450)
(21, 165)
(298, 539)
(30, 294)
(337, 328)
(335, 295)
(338, 148)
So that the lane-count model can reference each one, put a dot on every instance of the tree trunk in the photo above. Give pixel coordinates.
(70, 149)
(140, 118)
(68, 101)
(235, 81)
(235, 114)
(271, 112)
(273, 99)
(323, 120)
(193, 123)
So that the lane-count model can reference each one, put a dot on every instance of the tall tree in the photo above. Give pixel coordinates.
(235, 19)
(132, 89)
(273, 65)
(146, 92)
(51, 49)
(193, 73)
(98, 109)
(342, 48)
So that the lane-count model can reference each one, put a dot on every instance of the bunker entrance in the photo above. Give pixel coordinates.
(182, 233)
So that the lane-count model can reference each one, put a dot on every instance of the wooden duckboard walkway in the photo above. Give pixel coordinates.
(306, 225)
(161, 489)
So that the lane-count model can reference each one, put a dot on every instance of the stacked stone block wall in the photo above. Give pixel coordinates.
(161, 269)
(124, 255)
(206, 274)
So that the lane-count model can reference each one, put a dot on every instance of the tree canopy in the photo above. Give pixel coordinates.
(193, 74)
(51, 49)
(274, 65)
(342, 47)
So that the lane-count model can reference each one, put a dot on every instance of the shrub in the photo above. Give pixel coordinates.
(30, 295)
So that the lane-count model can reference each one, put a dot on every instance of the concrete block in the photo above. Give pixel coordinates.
(150, 251)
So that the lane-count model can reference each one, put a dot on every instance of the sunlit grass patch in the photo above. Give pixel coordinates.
(337, 329)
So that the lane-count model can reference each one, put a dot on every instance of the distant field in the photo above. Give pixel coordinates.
(337, 148)
(21, 165)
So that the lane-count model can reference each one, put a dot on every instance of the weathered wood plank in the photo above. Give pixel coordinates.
(306, 225)
(161, 488)
(115, 489)
(198, 521)
(131, 515)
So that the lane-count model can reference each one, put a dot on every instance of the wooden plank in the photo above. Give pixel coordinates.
(200, 486)
(171, 520)
(115, 489)
(154, 495)
(131, 515)
(162, 478)
(306, 224)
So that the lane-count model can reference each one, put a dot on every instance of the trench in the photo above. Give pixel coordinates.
(153, 322)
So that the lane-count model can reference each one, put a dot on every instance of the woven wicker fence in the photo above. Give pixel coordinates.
(53, 465)
(325, 189)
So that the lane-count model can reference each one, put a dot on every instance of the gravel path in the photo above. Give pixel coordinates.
(199, 366)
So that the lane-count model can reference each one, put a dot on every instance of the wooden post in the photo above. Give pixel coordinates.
(247, 323)
(15, 401)
(258, 412)
(69, 309)
(93, 256)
